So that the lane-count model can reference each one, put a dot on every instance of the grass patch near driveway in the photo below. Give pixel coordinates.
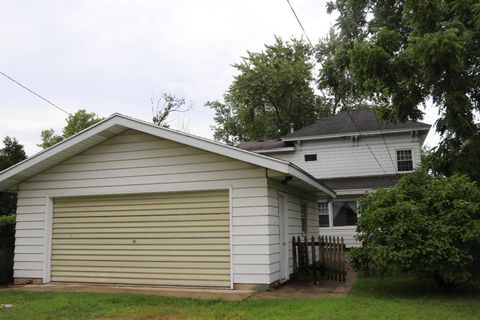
(370, 298)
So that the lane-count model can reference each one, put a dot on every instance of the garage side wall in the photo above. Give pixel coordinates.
(133, 162)
(293, 198)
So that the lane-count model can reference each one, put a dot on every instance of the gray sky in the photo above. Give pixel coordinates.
(112, 56)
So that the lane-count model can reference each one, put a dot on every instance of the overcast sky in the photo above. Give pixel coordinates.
(112, 56)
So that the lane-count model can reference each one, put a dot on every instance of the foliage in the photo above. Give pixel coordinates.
(272, 89)
(370, 298)
(403, 53)
(453, 156)
(75, 123)
(7, 245)
(426, 226)
(165, 106)
(11, 153)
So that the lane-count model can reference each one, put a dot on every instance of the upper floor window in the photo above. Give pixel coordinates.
(344, 213)
(404, 160)
(323, 214)
(311, 157)
(303, 216)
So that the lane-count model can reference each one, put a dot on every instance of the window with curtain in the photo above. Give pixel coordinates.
(344, 213)
(323, 214)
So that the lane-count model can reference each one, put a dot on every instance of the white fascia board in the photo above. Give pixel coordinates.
(165, 133)
(206, 144)
(311, 181)
(56, 149)
(354, 133)
(286, 149)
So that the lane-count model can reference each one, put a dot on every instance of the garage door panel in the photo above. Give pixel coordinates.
(213, 230)
(146, 282)
(142, 264)
(167, 212)
(143, 239)
(143, 258)
(179, 241)
(144, 218)
(151, 224)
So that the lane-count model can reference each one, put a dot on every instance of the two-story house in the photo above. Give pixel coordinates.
(352, 154)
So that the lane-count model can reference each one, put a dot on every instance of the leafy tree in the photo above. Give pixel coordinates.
(401, 55)
(426, 226)
(11, 153)
(273, 88)
(75, 123)
(165, 106)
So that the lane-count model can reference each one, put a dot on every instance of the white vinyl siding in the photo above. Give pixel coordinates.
(340, 157)
(133, 163)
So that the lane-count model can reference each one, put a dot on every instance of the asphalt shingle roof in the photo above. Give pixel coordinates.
(262, 145)
(367, 182)
(365, 120)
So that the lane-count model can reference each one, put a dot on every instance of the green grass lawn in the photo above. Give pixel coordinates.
(370, 298)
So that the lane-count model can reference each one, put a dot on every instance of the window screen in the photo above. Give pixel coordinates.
(311, 157)
(323, 216)
(344, 213)
(404, 160)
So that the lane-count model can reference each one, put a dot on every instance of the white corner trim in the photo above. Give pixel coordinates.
(230, 207)
(47, 245)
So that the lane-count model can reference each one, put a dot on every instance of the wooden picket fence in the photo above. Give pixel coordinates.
(321, 258)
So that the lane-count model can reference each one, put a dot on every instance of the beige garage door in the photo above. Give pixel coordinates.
(151, 239)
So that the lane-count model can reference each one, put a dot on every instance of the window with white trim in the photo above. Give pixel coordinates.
(404, 160)
(303, 216)
(323, 215)
(344, 213)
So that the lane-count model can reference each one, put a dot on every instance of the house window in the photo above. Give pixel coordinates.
(303, 216)
(404, 160)
(311, 157)
(344, 213)
(323, 215)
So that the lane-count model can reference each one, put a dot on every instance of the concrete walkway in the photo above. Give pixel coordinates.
(195, 293)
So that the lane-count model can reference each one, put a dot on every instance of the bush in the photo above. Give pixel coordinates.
(426, 226)
(7, 245)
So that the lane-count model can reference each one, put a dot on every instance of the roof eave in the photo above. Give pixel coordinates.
(353, 133)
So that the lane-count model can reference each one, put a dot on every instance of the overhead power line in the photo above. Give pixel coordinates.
(385, 142)
(300, 23)
(33, 92)
(370, 149)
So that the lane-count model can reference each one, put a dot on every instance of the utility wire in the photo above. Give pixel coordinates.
(33, 92)
(385, 142)
(348, 111)
(300, 23)
(368, 146)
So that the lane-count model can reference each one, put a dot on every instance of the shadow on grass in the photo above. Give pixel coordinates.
(409, 287)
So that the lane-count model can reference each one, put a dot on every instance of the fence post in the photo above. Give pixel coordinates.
(314, 260)
(294, 255)
(343, 260)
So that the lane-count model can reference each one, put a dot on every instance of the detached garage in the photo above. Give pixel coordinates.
(127, 202)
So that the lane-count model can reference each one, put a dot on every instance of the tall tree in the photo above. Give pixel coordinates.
(75, 123)
(403, 54)
(272, 89)
(11, 153)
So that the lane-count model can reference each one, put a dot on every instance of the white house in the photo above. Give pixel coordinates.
(352, 154)
(128, 202)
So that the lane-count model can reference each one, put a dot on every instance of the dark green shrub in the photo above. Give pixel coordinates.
(425, 226)
(7, 245)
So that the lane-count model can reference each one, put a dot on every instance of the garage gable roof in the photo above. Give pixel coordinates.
(118, 123)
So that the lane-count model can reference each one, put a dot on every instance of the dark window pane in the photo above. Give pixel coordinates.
(311, 157)
(404, 160)
(344, 213)
(323, 221)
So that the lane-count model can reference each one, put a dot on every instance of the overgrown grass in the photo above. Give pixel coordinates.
(371, 298)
